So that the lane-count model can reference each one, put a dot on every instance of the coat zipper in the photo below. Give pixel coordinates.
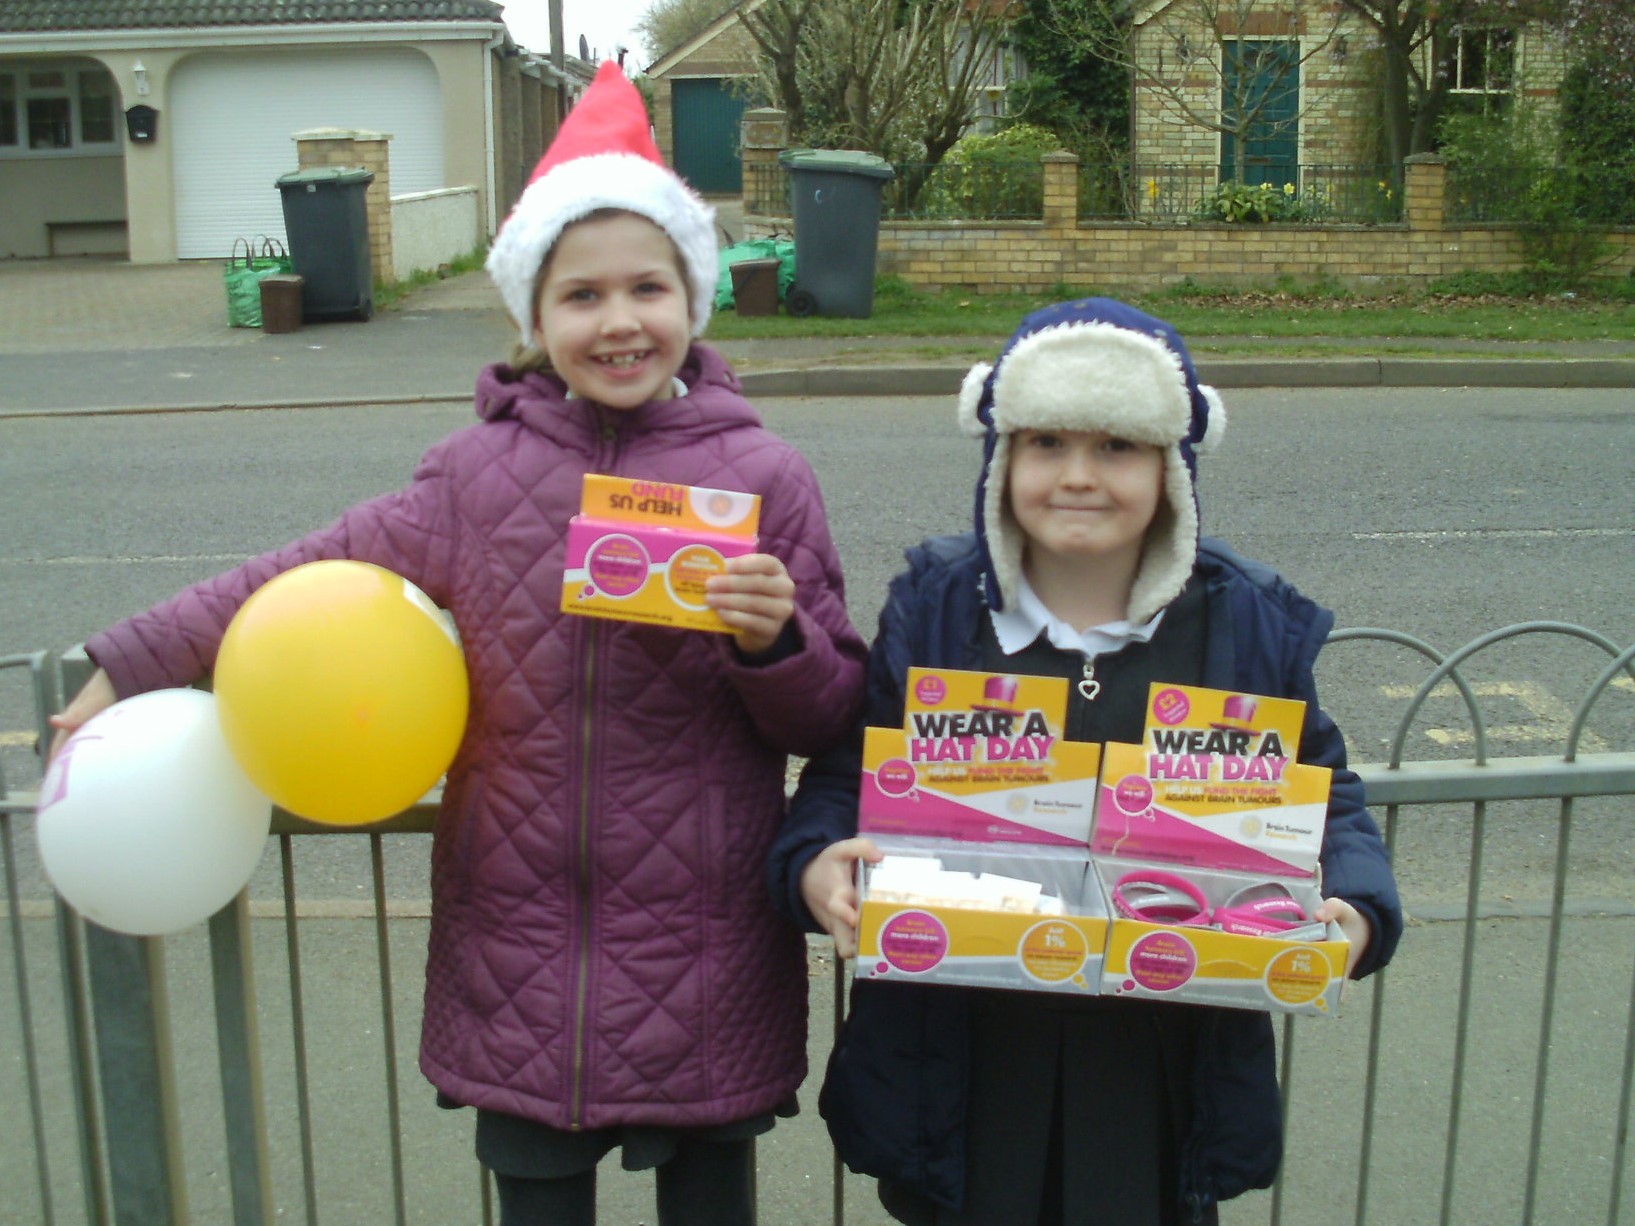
(609, 434)
(582, 874)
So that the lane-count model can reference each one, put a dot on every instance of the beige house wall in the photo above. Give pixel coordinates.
(139, 187)
(82, 189)
(1337, 93)
(459, 67)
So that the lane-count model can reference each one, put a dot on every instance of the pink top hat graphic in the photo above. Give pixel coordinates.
(1238, 711)
(998, 694)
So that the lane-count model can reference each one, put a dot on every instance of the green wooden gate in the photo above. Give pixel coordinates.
(1262, 78)
(706, 117)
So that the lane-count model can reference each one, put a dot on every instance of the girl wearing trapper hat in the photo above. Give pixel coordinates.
(604, 967)
(1000, 1108)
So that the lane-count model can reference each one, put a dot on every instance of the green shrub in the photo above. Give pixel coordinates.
(1256, 203)
(1508, 167)
(990, 175)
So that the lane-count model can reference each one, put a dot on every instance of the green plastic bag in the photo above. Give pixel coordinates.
(243, 275)
(780, 249)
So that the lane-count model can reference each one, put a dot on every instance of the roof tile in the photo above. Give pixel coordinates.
(47, 16)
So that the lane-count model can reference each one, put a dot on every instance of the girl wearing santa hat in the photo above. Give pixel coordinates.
(605, 968)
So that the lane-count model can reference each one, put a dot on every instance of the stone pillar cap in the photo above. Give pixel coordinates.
(339, 134)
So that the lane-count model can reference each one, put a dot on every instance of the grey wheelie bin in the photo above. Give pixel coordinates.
(837, 230)
(326, 220)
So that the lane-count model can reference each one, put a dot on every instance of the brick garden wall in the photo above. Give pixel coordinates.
(1060, 251)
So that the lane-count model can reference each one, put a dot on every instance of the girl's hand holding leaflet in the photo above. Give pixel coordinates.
(94, 696)
(829, 887)
(1352, 922)
(756, 597)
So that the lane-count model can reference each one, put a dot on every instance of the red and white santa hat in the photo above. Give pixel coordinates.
(603, 157)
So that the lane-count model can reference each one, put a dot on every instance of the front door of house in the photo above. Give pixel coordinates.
(1260, 99)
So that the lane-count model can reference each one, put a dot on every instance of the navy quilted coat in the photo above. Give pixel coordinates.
(895, 1092)
(602, 948)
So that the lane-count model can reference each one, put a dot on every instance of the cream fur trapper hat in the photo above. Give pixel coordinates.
(603, 157)
(1094, 364)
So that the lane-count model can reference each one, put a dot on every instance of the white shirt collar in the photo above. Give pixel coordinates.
(1022, 623)
(678, 389)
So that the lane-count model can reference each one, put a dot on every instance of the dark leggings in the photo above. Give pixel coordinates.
(705, 1184)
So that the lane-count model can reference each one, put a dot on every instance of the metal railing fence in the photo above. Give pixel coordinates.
(1312, 194)
(1309, 194)
(1600, 195)
(961, 191)
(1487, 1076)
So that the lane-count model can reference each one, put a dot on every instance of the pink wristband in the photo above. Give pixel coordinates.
(1158, 897)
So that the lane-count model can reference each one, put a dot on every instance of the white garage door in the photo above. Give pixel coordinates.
(232, 116)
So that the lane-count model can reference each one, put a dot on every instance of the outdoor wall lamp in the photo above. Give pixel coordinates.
(1341, 50)
(139, 71)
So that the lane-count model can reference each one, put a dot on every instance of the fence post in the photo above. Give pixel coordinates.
(763, 135)
(1061, 210)
(238, 1043)
(72, 669)
(130, 1035)
(1425, 191)
(137, 1075)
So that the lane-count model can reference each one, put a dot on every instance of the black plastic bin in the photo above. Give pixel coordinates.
(326, 220)
(837, 230)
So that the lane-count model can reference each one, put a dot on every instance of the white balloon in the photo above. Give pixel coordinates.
(146, 823)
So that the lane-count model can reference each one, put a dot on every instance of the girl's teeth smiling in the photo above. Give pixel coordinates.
(622, 360)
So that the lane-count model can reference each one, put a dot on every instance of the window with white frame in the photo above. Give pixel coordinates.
(1484, 61)
(51, 109)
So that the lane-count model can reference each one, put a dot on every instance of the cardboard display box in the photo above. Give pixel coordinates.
(979, 793)
(643, 550)
(980, 758)
(1212, 809)
(972, 916)
(1207, 965)
(1185, 868)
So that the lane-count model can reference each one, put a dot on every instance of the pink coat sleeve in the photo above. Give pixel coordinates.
(807, 701)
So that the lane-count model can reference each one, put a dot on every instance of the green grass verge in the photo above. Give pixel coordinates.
(1469, 308)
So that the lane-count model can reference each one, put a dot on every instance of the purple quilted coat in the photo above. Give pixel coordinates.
(603, 949)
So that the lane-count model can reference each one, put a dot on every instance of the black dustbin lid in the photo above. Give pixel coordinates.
(846, 161)
(326, 176)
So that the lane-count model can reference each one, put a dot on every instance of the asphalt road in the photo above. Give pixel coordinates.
(1445, 513)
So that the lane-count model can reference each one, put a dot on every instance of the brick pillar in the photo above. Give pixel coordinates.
(1061, 190)
(374, 155)
(763, 135)
(1425, 191)
(371, 150)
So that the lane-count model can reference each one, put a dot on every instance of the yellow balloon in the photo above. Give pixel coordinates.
(342, 692)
